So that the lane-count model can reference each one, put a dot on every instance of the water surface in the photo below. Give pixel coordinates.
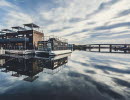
(81, 76)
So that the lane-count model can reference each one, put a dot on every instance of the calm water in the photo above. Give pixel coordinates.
(81, 76)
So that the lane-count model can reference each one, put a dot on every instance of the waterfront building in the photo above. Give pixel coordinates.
(53, 43)
(53, 46)
(20, 38)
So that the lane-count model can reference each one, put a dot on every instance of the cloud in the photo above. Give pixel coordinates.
(79, 21)
(73, 20)
(91, 23)
(60, 30)
(124, 24)
(103, 6)
(84, 30)
(13, 15)
(123, 13)
(56, 30)
(3, 3)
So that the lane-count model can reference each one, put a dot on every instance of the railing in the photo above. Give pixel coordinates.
(46, 38)
(53, 43)
(54, 48)
(19, 39)
(14, 40)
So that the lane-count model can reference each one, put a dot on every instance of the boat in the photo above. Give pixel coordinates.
(53, 46)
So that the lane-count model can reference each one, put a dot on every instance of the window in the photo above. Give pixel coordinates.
(20, 35)
(30, 34)
(30, 43)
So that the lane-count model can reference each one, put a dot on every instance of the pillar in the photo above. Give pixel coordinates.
(99, 48)
(110, 48)
(89, 47)
(125, 47)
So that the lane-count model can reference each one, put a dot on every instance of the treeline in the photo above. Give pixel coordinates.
(79, 47)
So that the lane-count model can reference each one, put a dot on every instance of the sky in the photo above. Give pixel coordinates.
(79, 21)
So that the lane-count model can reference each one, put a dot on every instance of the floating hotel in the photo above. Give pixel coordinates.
(29, 40)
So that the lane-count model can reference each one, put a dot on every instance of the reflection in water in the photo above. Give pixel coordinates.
(84, 76)
(30, 66)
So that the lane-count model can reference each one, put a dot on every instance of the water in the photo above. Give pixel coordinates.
(81, 76)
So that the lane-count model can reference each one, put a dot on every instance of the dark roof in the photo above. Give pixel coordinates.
(7, 30)
(31, 25)
(18, 28)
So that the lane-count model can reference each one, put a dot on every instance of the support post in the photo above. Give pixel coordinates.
(110, 48)
(99, 48)
(125, 47)
(89, 47)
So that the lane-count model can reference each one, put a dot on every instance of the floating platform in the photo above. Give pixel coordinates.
(20, 52)
(52, 53)
(37, 52)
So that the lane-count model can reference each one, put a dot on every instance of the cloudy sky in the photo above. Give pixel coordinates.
(80, 21)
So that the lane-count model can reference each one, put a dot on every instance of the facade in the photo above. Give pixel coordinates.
(22, 39)
(53, 43)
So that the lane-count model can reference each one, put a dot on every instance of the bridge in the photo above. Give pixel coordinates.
(123, 47)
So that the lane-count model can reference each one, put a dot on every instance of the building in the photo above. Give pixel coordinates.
(20, 38)
(53, 43)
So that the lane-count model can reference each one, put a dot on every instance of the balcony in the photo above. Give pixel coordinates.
(19, 40)
(14, 40)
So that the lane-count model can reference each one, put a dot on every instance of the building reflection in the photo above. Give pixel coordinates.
(30, 67)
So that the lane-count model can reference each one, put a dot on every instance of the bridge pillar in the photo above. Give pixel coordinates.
(89, 47)
(99, 48)
(110, 48)
(125, 46)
